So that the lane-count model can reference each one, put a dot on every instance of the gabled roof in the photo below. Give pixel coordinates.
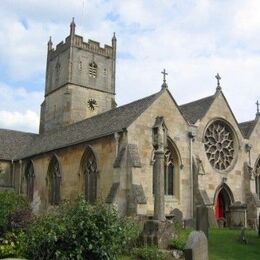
(103, 124)
(197, 109)
(13, 142)
(247, 127)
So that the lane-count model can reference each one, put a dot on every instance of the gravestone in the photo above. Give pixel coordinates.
(259, 225)
(202, 220)
(177, 216)
(243, 238)
(196, 247)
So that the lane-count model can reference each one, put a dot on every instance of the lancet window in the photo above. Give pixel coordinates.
(257, 178)
(89, 169)
(29, 178)
(54, 181)
(169, 171)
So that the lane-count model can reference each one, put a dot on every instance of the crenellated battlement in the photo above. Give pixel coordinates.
(78, 42)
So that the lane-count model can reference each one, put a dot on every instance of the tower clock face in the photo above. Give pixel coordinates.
(92, 103)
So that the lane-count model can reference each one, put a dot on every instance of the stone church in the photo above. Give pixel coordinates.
(88, 146)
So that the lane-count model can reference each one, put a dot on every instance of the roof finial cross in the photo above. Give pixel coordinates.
(164, 75)
(218, 79)
(164, 85)
(257, 107)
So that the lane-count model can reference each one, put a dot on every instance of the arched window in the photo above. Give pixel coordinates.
(257, 178)
(54, 179)
(171, 165)
(29, 177)
(92, 69)
(89, 170)
(169, 170)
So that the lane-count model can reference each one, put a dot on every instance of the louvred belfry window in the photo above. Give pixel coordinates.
(93, 69)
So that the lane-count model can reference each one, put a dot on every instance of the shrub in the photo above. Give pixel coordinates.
(180, 237)
(10, 203)
(148, 253)
(77, 230)
(12, 244)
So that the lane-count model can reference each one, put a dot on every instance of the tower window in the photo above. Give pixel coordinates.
(80, 65)
(93, 69)
(57, 72)
(105, 73)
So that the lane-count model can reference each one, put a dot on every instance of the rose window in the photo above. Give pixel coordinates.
(219, 145)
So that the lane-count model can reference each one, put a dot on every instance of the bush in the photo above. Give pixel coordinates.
(10, 204)
(180, 237)
(12, 245)
(148, 253)
(77, 230)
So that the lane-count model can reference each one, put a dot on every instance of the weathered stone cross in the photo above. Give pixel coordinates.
(257, 107)
(218, 79)
(164, 75)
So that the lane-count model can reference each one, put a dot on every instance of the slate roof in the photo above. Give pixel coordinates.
(103, 124)
(246, 128)
(13, 142)
(197, 109)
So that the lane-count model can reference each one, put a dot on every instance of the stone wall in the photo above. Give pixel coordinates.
(233, 177)
(140, 133)
(72, 179)
(5, 173)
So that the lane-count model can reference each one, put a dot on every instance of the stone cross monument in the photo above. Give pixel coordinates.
(159, 145)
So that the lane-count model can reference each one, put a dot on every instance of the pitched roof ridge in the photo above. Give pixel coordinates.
(247, 122)
(17, 131)
(103, 113)
(198, 100)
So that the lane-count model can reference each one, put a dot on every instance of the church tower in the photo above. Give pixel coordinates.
(80, 81)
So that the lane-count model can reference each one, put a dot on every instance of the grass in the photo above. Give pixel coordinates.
(224, 244)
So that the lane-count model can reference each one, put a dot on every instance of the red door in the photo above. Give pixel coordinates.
(219, 207)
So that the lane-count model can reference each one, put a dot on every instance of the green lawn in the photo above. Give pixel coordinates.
(224, 245)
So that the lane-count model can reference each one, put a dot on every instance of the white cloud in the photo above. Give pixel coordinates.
(192, 39)
(19, 108)
(28, 121)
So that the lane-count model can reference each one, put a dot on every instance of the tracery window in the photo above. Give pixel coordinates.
(54, 180)
(29, 178)
(92, 69)
(89, 169)
(169, 171)
(257, 178)
(170, 166)
(219, 145)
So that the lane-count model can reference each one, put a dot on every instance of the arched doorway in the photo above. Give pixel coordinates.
(223, 199)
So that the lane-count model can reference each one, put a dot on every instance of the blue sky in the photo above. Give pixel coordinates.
(191, 39)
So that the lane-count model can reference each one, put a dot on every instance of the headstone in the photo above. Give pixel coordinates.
(177, 216)
(157, 233)
(259, 225)
(237, 214)
(202, 221)
(196, 247)
(242, 237)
